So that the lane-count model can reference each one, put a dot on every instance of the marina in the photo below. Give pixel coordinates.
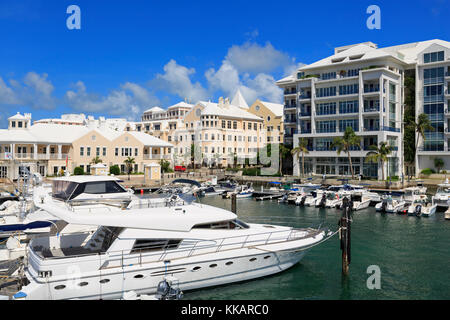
(307, 210)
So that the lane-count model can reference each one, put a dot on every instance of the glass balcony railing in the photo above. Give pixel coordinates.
(371, 108)
(374, 128)
(368, 89)
(385, 128)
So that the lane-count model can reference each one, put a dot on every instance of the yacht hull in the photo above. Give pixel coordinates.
(192, 273)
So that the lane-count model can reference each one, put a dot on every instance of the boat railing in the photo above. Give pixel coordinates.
(189, 247)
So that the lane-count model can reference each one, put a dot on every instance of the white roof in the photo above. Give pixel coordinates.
(149, 140)
(63, 134)
(227, 111)
(18, 116)
(83, 179)
(239, 100)
(99, 165)
(403, 54)
(276, 108)
(181, 104)
(180, 219)
(154, 109)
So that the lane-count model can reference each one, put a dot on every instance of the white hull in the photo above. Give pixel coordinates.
(361, 205)
(243, 268)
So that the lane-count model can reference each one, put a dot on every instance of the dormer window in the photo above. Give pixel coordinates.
(433, 57)
(19, 124)
(336, 60)
(13, 124)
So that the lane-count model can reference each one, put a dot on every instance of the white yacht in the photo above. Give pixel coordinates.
(333, 200)
(390, 205)
(429, 210)
(363, 204)
(413, 194)
(442, 195)
(133, 250)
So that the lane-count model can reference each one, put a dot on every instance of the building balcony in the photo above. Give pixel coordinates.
(289, 92)
(391, 129)
(157, 156)
(371, 128)
(304, 96)
(32, 156)
(304, 114)
(371, 109)
(290, 106)
(290, 121)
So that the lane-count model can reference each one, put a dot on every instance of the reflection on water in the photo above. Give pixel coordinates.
(412, 253)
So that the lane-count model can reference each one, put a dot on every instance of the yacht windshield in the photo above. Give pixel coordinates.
(63, 189)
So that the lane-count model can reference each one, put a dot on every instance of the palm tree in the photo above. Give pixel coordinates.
(283, 152)
(96, 160)
(439, 164)
(345, 143)
(422, 125)
(129, 162)
(379, 155)
(301, 149)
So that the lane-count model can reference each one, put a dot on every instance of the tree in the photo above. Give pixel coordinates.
(129, 163)
(115, 170)
(96, 160)
(283, 152)
(422, 125)
(439, 164)
(301, 149)
(78, 171)
(345, 143)
(165, 166)
(379, 155)
(409, 116)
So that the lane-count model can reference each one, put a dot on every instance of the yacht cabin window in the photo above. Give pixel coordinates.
(228, 225)
(68, 190)
(145, 245)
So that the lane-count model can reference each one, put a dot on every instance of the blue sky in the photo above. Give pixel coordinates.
(132, 55)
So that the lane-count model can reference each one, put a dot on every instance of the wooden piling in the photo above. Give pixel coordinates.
(233, 203)
(345, 224)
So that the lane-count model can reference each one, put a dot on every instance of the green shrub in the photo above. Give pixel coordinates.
(115, 170)
(78, 171)
(427, 171)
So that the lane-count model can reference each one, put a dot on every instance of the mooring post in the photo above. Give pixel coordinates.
(345, 225)
(233, 203)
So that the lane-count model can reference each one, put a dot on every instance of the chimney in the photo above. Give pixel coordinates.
(221, 102)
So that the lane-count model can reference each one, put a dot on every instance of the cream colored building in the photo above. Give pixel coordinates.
(49, 148)
(220, 131)
(272, 114)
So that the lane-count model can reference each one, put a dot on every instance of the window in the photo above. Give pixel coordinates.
(81, 151)
(146, 245)
(116, 152)
(88, 151)
(97, 151)
(136, 152)
(234, 124)
(104, 151)
(433, 57)
(232, 224)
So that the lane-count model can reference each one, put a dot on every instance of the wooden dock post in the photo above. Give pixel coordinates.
(233, 203)
(345, 224)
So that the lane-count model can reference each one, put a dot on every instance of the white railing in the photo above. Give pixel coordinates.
(190, 247)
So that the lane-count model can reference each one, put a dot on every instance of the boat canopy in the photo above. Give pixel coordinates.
(176, 218)
(187, 181)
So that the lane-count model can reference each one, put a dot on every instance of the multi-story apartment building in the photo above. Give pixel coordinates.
(359, 86)
(273, 116)
(50, 147)
(432, 73)
(219, 131)
(362, 86)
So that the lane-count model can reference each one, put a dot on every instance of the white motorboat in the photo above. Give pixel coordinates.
(390, 205)
(135, 250)
(363, 204)
(241, 192)
(413, 194)
(442, 196)
(429, 210)
(333, 200)
(212, 191)
(415, 208)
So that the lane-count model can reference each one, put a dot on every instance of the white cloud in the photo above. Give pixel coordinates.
(128, 102)
(254, 58)
(35, 91)
(176, 80)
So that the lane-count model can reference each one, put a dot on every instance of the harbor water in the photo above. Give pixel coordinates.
(413, 255)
